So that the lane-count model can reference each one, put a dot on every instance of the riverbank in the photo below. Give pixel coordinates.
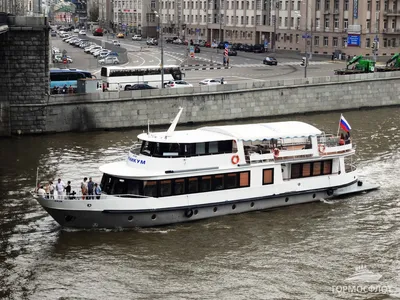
(87, 112)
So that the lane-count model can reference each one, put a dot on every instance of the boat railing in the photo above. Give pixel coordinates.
(135, 149)
(328, 140)
(87, 197)
(350, 168)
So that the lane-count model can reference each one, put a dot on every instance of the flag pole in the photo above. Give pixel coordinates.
(338, 129)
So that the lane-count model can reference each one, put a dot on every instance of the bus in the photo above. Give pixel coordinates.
(116, 78)
(69, 77)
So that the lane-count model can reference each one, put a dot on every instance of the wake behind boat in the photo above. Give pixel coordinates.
(181, 176)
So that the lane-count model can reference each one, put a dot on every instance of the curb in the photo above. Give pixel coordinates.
(203, 69)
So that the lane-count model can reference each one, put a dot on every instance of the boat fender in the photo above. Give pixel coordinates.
(359, 183)
(321, 148)
(329, 192)
(235, 159)
(189, 213)
(276, 152)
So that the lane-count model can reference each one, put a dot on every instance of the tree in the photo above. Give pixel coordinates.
(94, 13)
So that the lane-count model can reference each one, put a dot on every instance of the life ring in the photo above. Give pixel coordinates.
(188, 213)
(321, 148)
(235, 159)
(276, 152)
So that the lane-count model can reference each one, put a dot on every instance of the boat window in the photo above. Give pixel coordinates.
(150, 188)
(244, 179)
(133, 187)
(147, 148)
(119, 187)
(165, 188)
(226, 146)
(200, 148)
(179, 186)
(213, 147)
(205, 184)
(327, 167)
(306, 170)
(295, 171)
(231, 181)
(106, 183)
(268, 176)
(193, 185)
(218, 182)
(316, 168)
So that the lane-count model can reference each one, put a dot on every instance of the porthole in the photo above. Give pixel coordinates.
(252, 204)
(287, 199)
(154, 216)
(313, 195)
(130, 218)
(196, 211)
(215, 209)
(234, 206)
(89, 205)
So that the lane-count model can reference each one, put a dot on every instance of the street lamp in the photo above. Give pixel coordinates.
(162, 48)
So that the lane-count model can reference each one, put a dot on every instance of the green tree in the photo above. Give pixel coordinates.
(94, 13)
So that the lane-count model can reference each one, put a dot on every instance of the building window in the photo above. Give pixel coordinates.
(336, 5)
(346, 5)
(384, 43)
(286, 5)
(258, 20)
(368, 5)
(393, 23)
(336, 23)
(247, 20)
(327, 22)
(327, 4)
(280, 21)
(298, 23)
(318, 5)
(268, 176)
(258, 4)
(286, 21)
(385, 5)
(378, 5)
(297, 38)
(252, 20)
(335, 42)
(346, 23)
(317, 22)
(241, 20)
(291, 22)
(368, 43)
(280, 5)
(252, 4)
(247, 5)
(344, 42)
(316, 41)
(326, 41)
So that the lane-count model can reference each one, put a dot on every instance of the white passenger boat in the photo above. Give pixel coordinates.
(182, 176)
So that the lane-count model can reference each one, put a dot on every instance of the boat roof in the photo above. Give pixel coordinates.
(245, 132)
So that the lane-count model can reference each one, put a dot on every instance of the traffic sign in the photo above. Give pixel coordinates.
(226, 45)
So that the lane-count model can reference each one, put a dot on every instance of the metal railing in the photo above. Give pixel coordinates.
(80, 197)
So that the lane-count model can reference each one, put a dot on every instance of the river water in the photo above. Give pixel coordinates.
(301, 252)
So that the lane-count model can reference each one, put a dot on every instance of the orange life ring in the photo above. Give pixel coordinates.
(235, 159)
(276, 152)
(321, 148)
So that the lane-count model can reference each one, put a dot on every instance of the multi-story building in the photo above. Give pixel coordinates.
(349, 26)
(136, 16)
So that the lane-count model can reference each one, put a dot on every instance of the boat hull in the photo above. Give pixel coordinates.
(132, 219)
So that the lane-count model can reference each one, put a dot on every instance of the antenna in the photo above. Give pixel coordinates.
(148, 126)
(174, 122)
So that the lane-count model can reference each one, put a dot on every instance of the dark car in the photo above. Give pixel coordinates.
(249, 48)
(221, 45)
(232, 52)
(236, 46)
(270, 61)
(169, 40)
(196, 49)
(139, 86)
(258, 48)
(53, 33)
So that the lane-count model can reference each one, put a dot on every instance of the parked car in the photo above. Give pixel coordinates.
(76, 30)
(232, 52)
(214, 81)
(178, 84)
(53, 33)
(270, 61)
(207, 44)
(82, 32)
(116, 43)
(139, 86)
(196, 49)
(137, 37)
(104, 53)
(109, 60)
(94, 49)
(258, 48)
(169, 40)
(70, 60)
(120, 35)
(87, 49)
(202, 43)
(177, 41)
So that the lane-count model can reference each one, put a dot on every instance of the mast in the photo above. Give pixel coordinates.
(171, 128)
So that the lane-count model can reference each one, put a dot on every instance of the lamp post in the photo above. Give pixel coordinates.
(306, 42)
(162, 48)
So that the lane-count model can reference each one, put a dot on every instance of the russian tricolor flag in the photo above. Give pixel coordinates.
(344, 124)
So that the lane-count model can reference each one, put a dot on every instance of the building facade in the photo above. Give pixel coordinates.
(316, 26)
(135, 16)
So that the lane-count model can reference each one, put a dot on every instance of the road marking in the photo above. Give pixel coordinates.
(248, 78)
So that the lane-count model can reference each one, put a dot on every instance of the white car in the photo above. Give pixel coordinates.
(110, 60)
(82, 32)
(76, 30)
(178, 84)
(137, 37)
(94, 49)
(115, 43)
(177, 41)
(97, 52)
(214, 81)
(104, 53)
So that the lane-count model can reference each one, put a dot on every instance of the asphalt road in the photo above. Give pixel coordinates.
(246, 67)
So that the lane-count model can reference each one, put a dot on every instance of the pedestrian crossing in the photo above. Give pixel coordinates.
(287, 63)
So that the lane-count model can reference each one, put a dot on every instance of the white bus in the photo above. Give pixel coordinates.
(116, 78)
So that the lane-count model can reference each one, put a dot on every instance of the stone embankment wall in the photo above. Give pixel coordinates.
(24, 75)
(213, 103)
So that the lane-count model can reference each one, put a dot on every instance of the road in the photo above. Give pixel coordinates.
(246, 67)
